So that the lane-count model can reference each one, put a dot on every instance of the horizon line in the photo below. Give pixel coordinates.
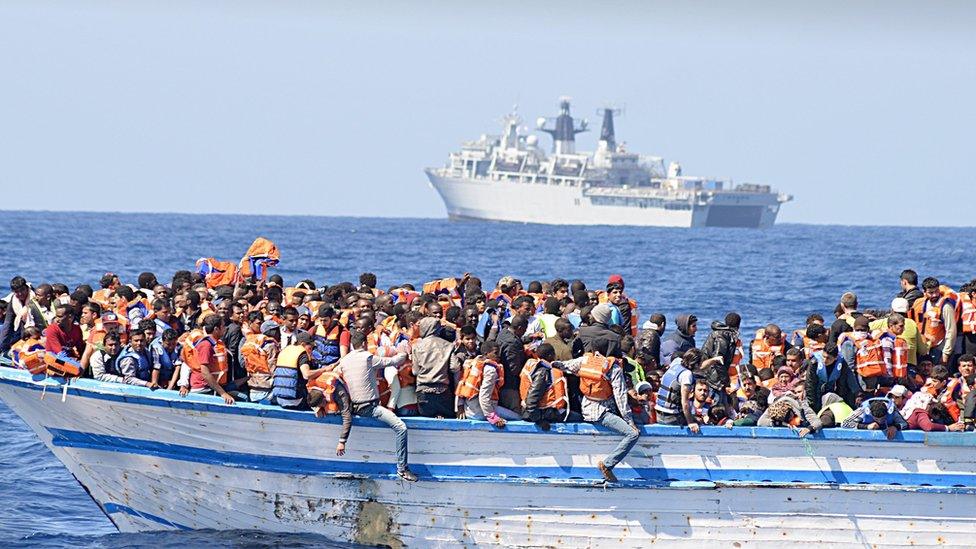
(446, 218)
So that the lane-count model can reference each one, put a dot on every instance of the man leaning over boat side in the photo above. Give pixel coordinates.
(605, 402)
(358, 369)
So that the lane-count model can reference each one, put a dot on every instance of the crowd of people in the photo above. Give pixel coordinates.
(545, 352)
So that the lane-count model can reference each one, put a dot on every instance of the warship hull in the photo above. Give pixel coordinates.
(505, 200)
(156, 461)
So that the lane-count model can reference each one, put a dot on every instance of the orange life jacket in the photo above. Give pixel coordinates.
(474, 372)
(261, 254)
(291, 291)
(967, 313)
(556, 395)
(103, 297)
(255, 354)
(217, 273)
(898, 356)
(61, 367)
(929, 317)
(29, 355)
(764, 353)
(594, 375)
(868, 355)
(327, 383)
(190, 341)
(602, 297)
(948, 398)
(442, 286)
(811, 346)
(404, 295)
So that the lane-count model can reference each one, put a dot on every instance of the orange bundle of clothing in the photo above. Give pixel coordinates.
(262, 254)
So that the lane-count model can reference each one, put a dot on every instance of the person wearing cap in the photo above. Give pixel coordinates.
(104, 359)
(626, 307)
(292, 371)
(597, 337)
(910, 333)
(258, 355)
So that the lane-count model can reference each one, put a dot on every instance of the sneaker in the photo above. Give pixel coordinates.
(607, 472)
(407, 475)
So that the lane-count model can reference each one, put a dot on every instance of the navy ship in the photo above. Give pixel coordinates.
(509, 177)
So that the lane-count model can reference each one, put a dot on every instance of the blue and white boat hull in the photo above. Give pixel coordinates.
(153, 460)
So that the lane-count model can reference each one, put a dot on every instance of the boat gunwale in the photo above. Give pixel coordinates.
(164, 398)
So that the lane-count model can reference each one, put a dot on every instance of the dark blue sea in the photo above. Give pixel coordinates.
(776, 275)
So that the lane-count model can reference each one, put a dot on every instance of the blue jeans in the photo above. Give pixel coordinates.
(399, 430)
(618, 424)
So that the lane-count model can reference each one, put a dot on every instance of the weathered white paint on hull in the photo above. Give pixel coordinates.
(155, 461)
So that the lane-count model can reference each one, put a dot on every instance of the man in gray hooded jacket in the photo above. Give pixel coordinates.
(431, 357)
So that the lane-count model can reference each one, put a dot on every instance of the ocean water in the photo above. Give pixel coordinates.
(777, 275)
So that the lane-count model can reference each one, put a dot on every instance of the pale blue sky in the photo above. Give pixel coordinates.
(864, 111)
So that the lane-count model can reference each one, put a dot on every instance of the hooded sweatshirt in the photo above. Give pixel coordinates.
(431, 356)
(680, 341)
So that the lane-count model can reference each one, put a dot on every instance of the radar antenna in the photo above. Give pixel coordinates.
(562, 128)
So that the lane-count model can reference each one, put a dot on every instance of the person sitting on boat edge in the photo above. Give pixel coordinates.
(293, 370)
(165, 354)
(673, 405)
(103, 360)
(605, 402)
(204, 357)
(135, 363)
(258, 355)
(481, 381)
(328, 395)
(431, 358)
(63, 335)
(545, 392)
(358, 369)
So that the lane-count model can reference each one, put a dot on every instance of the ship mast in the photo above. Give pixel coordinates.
(562, 128)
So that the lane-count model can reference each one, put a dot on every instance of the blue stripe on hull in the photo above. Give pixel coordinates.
(113, 508)
(643, 476)
(144, 397)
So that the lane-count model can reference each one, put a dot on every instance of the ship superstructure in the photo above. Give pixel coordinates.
(509, 177)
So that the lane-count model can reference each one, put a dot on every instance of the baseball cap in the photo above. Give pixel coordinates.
(898, 390)
(899, 305)
(304, 311)
(506, 281)
(615, 279)
(110, 318)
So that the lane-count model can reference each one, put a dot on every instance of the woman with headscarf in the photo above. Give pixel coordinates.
(786, 383)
